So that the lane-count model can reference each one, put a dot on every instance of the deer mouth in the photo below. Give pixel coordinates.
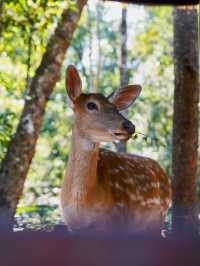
(121, 135)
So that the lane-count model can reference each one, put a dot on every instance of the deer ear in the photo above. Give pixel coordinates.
(73, 83)
(124, 97)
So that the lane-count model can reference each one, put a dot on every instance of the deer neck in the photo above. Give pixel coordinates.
(80, 180)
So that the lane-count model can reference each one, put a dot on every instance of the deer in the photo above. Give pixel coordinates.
(102, 188)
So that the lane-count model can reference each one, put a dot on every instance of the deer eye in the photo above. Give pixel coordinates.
(92, 106)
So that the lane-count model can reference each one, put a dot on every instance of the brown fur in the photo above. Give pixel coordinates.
(102, 188)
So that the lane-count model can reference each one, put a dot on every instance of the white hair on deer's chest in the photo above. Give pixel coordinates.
(76, 216)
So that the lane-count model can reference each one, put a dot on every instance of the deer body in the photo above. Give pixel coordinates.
(103, 188)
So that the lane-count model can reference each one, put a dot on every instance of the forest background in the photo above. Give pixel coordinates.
(25, 28)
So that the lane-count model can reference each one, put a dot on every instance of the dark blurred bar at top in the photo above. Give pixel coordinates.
(158, 2)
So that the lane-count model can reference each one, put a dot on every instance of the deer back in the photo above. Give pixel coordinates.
(135, 184)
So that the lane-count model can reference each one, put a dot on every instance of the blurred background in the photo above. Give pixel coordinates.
(101, 53)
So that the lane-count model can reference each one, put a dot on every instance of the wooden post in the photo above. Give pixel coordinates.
(185, 121)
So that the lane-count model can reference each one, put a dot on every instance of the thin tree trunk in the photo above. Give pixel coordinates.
(91, 80)
(15, 166)
(1, 17)
(79, 53)
(121, 146)
(185, 121)
(29, 54)
(98, 34)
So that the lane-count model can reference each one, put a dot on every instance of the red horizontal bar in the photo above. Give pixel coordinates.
(52, 249)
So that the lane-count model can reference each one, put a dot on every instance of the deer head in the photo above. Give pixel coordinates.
(98, 118)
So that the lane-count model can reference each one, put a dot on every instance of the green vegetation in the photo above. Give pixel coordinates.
(27, 27)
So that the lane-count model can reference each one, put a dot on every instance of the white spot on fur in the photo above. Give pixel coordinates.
(152, 172)
(143, 203)
(145, 188)
(129, 181)
(142, 177)
(140, 198)
(155, 185)
(155, 201)
(133, 197)
(118, 186)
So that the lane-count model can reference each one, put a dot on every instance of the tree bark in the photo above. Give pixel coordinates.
(121, 146)
(98, 35)
(15, 166)
(185, 121)
(1, 17)
(91, 75)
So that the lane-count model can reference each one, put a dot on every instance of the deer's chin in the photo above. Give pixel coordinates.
(103, 138)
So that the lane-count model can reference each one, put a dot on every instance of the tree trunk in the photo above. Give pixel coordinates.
(121, 146)
(15, 166)
(98, 35)
(185, 121)
(1, 17)
(91, 74)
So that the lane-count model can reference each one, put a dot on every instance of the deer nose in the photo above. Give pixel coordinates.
(128, 126)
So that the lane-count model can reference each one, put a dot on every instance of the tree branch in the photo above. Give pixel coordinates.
(15, 166)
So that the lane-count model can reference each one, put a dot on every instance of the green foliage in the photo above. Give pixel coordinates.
(153, 50)
(150, 63)
(85, 42)
(6, 129)
(26, 28)
(34, 218)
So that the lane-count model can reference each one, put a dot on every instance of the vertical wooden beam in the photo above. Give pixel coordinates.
(185, 121)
